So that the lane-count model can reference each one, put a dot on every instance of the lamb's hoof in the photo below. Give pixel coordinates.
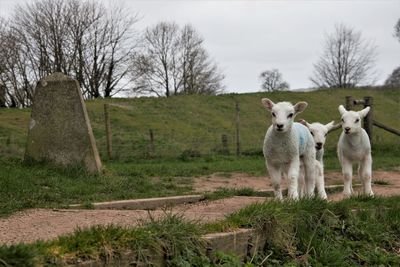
(346, 195)
(294, 197)
(370, 194)
(323, 196)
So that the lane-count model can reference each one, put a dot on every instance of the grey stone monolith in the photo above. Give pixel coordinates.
(59, 129)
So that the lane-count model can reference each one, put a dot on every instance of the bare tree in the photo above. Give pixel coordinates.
(198, 74)
(174, 61)
(107, 47)
(394, 78)
(83, 39)
(397, 30)
(157, 64)
(15, 75)
(347, 60)
(271, 80)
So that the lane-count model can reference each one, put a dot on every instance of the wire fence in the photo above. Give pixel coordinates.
(126, 133)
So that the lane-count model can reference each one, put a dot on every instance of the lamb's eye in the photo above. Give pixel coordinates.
(273, 114)
(312, 133)
(290, 115)
(357, 120)
(342, 120)
(325, 134)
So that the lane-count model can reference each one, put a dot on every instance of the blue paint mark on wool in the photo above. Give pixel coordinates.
(303, 135)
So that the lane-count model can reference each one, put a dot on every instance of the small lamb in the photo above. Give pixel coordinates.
(319, 132)
(287, 144)
(354, 146)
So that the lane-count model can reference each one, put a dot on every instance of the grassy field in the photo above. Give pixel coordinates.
(189, 125)
(185, 123)
(187, 132)
(310, 232)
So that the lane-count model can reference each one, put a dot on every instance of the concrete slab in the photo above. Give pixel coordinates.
(145, 203)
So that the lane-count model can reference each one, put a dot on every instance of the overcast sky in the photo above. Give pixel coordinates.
(247, 37)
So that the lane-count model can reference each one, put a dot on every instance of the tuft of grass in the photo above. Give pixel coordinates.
(313, 232)
(170, 240)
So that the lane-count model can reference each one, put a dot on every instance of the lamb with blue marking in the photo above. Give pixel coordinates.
(287, 145)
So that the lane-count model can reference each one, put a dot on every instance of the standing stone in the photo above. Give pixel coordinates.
(60, 130)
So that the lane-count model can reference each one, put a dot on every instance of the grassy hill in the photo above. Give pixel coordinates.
(188, 125)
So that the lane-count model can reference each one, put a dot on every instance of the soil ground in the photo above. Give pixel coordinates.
(45, 224)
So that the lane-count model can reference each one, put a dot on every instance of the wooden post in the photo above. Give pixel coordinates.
(349, 102)
(224, 141)
(368, 120)
(108, 131)
(151, 145)
(237, 130)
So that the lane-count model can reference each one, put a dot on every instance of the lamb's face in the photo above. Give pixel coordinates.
(351, 120)
(319, 132)
(283, 114)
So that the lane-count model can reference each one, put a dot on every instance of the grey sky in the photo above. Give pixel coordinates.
(247, 37)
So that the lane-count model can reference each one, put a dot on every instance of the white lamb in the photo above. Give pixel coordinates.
(287, 144)
(319, 132)
(354, 146)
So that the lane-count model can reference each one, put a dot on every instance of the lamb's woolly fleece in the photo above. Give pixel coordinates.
(354, 147)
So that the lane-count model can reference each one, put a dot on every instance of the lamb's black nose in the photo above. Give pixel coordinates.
(280, 126)
(347, 129)
(318, 145)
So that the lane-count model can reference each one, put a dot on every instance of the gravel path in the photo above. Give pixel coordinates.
(44, 224)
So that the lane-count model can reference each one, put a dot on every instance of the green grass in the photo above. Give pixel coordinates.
(310, 232)
(192, 124)
(24, 186)
(357, 231)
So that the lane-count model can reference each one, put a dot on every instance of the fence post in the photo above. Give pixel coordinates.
(151, 146)
(108, 131)
(224, 141)
(368, 120)
(238, 152)
(349, 102)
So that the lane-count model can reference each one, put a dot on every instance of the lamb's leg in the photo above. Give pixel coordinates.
(301, 185)
(292, 180)
(347, 170)
(320, 180)
(365, 173)
(309, 167)
(275, 174)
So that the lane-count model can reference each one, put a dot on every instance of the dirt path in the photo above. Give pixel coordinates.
(30, 225)
(258, 183)
(45, 224)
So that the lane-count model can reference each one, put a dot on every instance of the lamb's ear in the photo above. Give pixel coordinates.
(305, 123)
(300, 106)
(364, 112)
(330, 125)
(267, 103)
(342, 110)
